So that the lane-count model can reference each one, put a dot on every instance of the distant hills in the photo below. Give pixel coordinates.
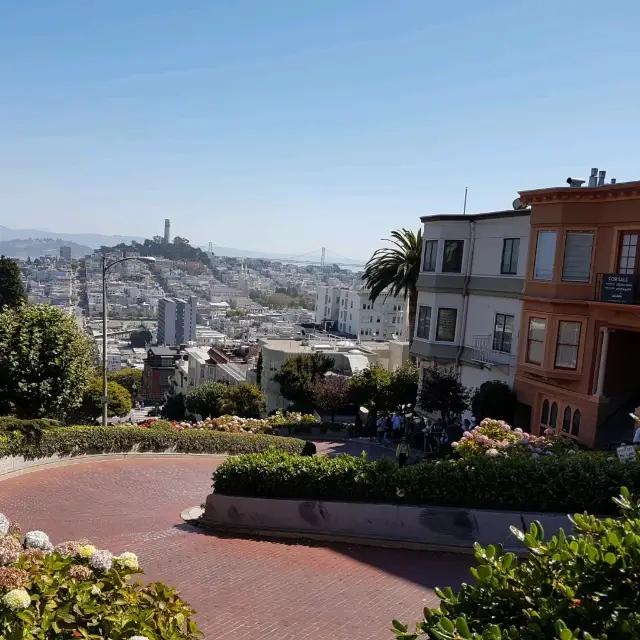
(37, 247)
(92, 240)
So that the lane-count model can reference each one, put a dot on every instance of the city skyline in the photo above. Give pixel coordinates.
(328, 124)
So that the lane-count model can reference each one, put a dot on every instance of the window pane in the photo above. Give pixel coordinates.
(553, 420)
(575, 425)
(536, 352)
(576, 266)
(545, 255)
(569, 333)
(567, 356)
(446, 329)
(424, 322)
(566, 420)
(545, 412)
(510, 251)
(628, 247)
(452, 259)
(430, 253)
(537, 328)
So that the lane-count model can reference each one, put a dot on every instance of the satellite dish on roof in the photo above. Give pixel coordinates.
(518, 204)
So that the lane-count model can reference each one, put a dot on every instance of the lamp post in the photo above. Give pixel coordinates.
(105, 270)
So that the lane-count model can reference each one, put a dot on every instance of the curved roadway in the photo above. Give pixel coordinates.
(251, 589)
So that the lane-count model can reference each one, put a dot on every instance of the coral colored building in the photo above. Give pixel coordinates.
(579, 349)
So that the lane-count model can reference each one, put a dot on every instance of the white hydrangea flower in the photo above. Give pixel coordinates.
(492, 452)
(400, 492)
(138, 638)
(17, 599)
(102, 560)
(87, 551)
(37, 540)
(128, 560)
(4, 524)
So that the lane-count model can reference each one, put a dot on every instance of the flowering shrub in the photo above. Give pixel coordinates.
(235, 424)
(74, 590)
(496, 438)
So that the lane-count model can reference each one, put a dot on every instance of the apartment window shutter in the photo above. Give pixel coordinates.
(577, 256)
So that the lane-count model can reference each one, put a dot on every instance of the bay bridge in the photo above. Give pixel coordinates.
(322, 257)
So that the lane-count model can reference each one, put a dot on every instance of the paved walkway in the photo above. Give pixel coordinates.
(249, 589)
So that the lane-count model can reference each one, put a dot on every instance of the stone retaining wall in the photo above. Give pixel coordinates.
(429, 526)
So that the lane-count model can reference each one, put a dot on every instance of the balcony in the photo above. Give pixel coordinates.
(618, 288)
(483, 353)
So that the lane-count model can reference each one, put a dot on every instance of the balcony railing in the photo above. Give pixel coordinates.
(483, 352)
(619, 288)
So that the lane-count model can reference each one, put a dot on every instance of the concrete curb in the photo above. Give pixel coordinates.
(52, 462)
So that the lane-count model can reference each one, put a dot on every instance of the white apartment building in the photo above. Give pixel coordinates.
(177, 320)
(350, 311)
(471, 279)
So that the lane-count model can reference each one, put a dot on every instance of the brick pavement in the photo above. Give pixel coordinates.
(252, 589)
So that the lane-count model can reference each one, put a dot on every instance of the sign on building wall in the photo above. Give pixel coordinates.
(617, 288)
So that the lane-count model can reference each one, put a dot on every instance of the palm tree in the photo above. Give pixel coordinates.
(393, 271)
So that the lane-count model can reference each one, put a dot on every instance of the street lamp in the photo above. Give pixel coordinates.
(105, 270)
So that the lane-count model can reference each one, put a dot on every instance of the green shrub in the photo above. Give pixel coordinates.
(88, 440)
(561, 484)
(582, 587)
(76, 590)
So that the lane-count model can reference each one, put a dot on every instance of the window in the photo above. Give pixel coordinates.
(576, 266)
(502, 333)
(545, 412)
(378, 319)
(567, 346)
(364, 306)
(628, 253)
(446, 327)
(566, 420)
(393, 320)
(575, 424)
(545, 255)
(430, 253)
(553, 420)
(424, 323)
(452, 258)
(535, 340)
(351, 307)
(510, 250)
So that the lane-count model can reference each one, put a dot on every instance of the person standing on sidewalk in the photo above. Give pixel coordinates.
(403, 452)
(380, 427)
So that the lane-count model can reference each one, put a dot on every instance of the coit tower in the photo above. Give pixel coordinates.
(167, 230)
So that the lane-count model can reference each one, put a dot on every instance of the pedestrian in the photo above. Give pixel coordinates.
(403, 452)
(396, 426)
(380, 427)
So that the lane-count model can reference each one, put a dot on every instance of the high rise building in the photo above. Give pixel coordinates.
(65, 253)
(177, 320)
(167, 230)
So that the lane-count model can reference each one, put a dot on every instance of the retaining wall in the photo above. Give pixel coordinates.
(415, 525)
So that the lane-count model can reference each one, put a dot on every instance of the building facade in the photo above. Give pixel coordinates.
(471, 279)
(177, 320)
(581, 314)
(65, 253)
(351, 312)
(157, 375)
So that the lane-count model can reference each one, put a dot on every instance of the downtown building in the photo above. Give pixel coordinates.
(177, 320)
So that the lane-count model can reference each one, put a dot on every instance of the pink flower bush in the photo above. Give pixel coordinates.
(497, 438)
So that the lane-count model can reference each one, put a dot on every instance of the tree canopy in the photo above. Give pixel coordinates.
(394, 270)
(46, 362)
(494, 399)
(91, 406)
(179, 249)
(130, 379)
(370, 387)
(140, 338)
(330, 394)
(403, 387)
(245, 400)
(298, 374)
(11, 288)
(207, 400)
(441, 391)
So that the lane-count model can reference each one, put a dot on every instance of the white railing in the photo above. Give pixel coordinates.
(484, 353)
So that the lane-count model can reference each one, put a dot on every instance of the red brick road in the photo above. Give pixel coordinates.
(249, 589)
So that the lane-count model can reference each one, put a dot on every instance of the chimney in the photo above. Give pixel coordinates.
(593, 178)
(601, 177)
(613, 180)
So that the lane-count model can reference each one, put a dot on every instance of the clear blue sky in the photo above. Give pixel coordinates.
(285, 125)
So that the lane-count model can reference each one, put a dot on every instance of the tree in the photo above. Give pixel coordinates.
(330, 394)
(244, 400)
(140, 338)
(174, 408)
(46, 362)
(370, 388)
(442, 391)
(393, 271)
(569, 587)
(403, 387)
(90, 408)
(130, 379)
(298, 374)
(207, 400)
(11, 288)
(494, 399)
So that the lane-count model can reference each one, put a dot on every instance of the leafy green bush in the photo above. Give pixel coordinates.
(11, 423)
(579, 587)
(75, 590)
(550, 483)
(88, 440)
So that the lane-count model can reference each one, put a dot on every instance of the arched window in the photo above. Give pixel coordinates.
(575, 426)
(553, 418)
(545, 412)
(566, 420)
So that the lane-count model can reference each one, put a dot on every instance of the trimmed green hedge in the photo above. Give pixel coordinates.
(552, 484)
(84, 440)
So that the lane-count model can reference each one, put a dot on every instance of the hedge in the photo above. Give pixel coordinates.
(87, 440)
(551, 484)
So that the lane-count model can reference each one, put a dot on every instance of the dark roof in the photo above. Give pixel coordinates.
(490, 215)
(162, 351)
